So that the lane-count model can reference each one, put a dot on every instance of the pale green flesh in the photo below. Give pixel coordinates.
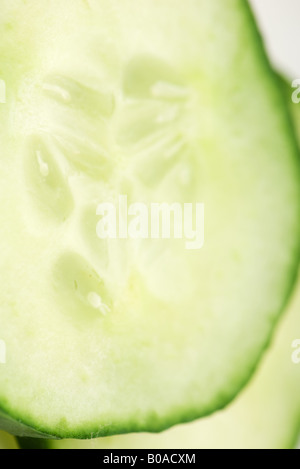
(128, 98)
(266, 415)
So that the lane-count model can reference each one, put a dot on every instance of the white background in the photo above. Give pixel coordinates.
(280, 26)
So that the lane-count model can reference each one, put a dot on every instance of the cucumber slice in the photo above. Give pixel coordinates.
(164, 101)
(266, 414)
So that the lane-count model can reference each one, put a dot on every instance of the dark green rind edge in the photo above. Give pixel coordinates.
(293, 437)
(15, 425)
(34, 443)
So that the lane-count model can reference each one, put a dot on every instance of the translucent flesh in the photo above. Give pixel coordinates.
(116, 336)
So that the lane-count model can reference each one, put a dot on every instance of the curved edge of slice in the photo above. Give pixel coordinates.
(266, 415)
(237, 420)
(16, 427)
